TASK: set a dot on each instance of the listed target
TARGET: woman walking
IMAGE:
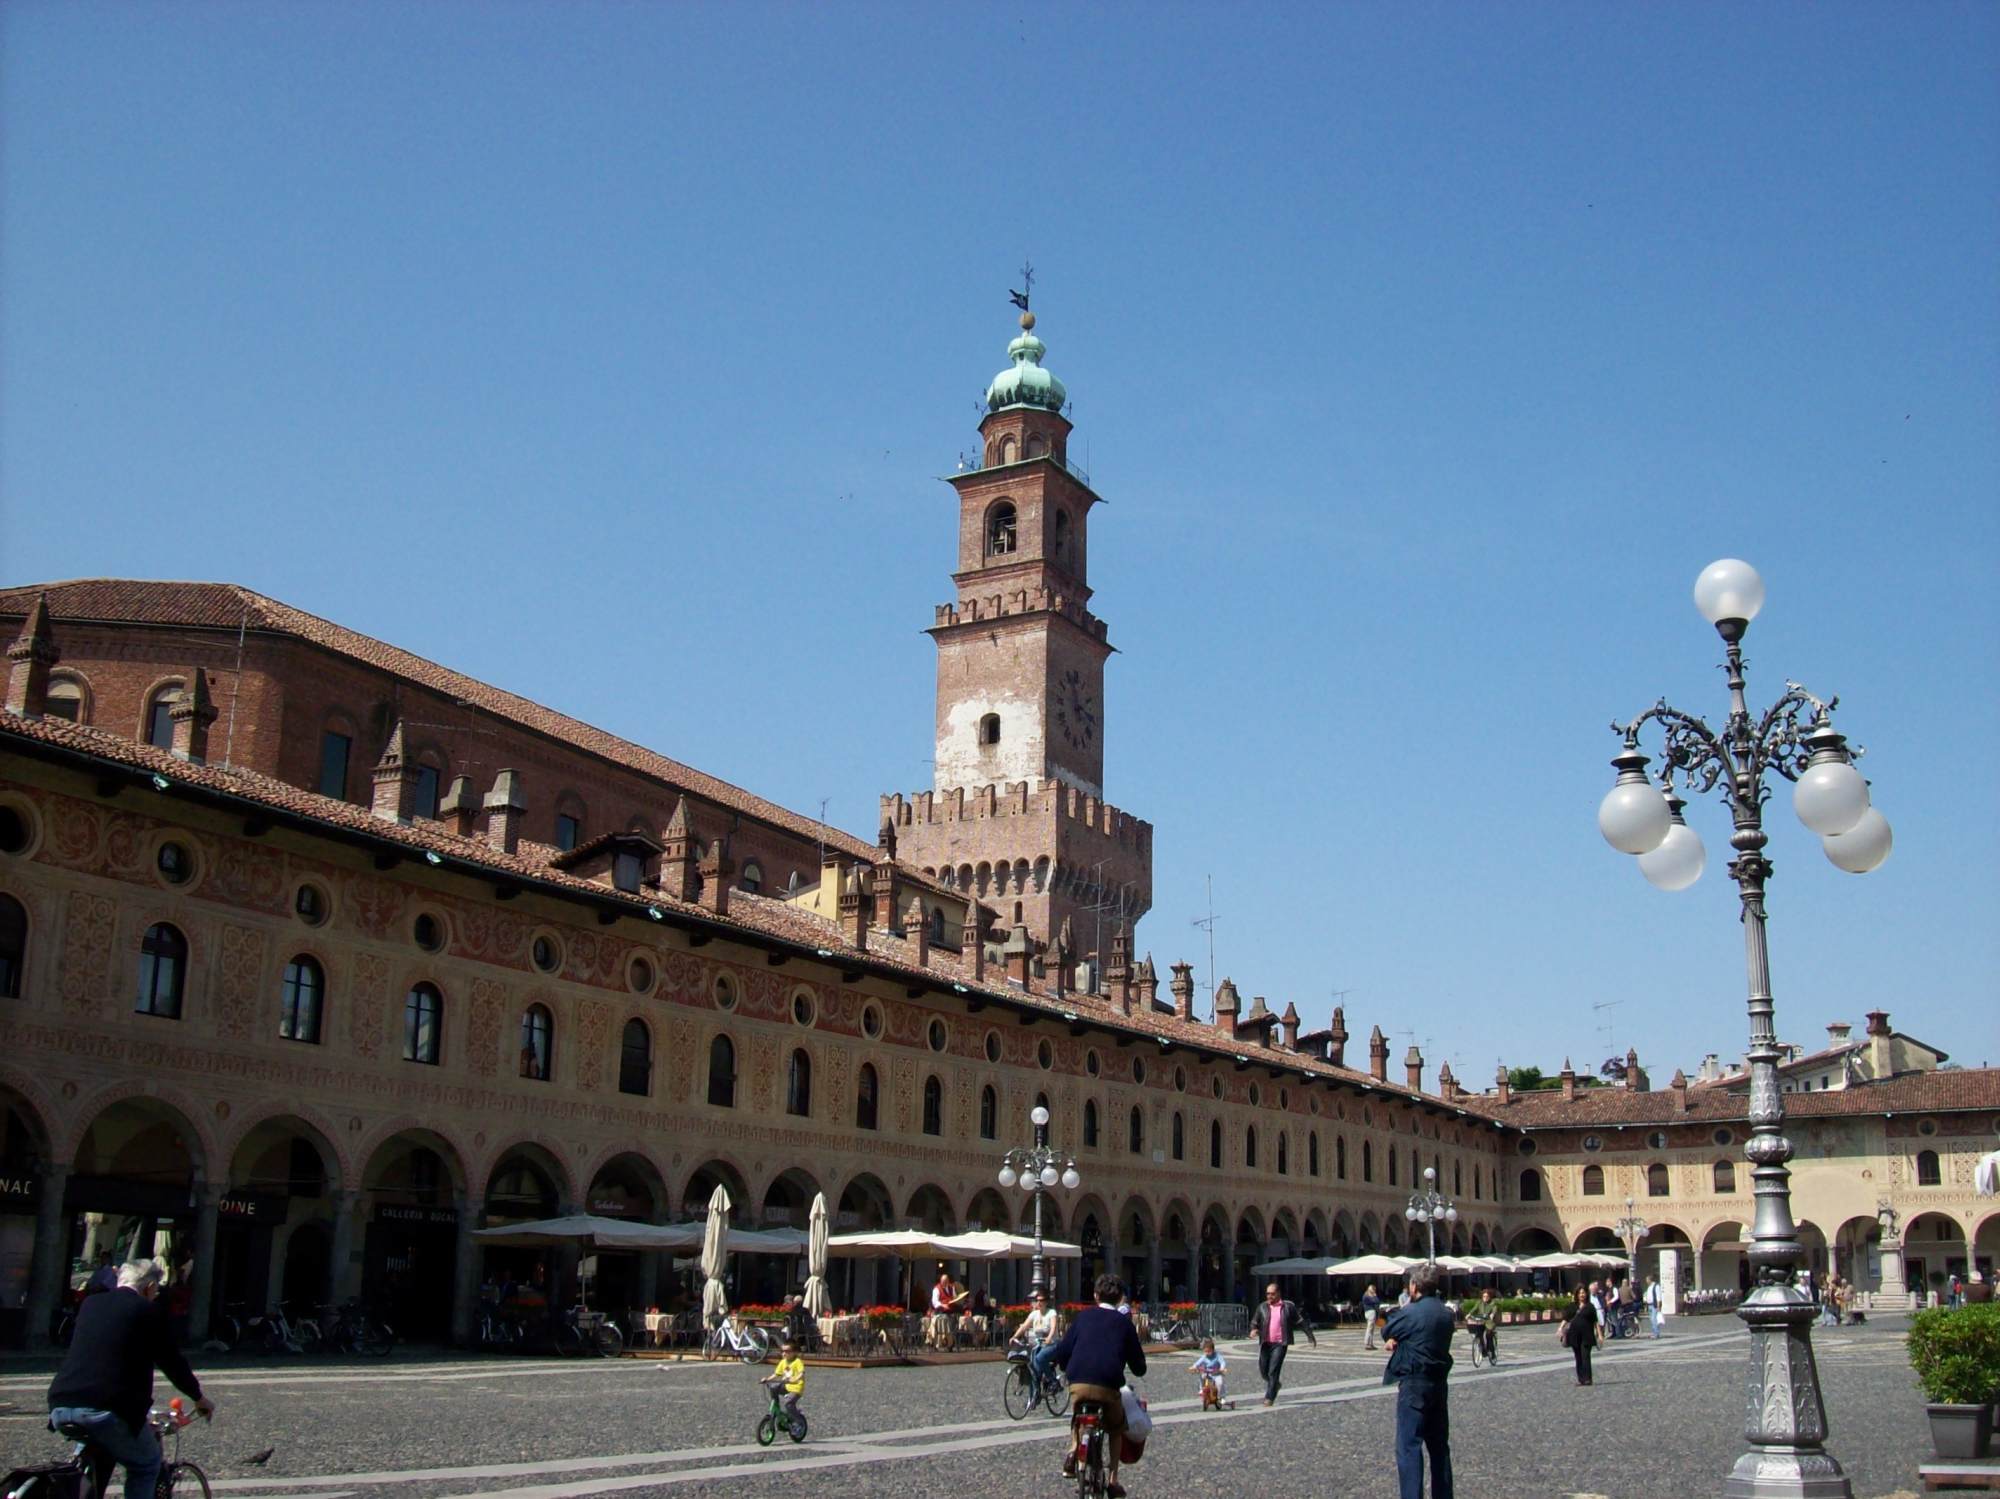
(1583, 1331)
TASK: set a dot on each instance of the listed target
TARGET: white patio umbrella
(715, 1300)
(819, 1301)
(1370, 1264)
(1297, 1265)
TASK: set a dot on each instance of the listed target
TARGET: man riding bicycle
(1099, 1347)
(1482, 1320)
(105, 1385)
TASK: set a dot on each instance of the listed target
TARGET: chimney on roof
(854, 904)
(974, 937)
(1288, 1026)
(678, 876)
(1632, 1079)
(1148, 984)
(1337, 1037)
(1413, 1068)
(505, 812)
(1378, 1055)
(29, 659)
(885, 893)
(1837, 1032)
(1569, 1082)
(1680, 1087)
(914, 923)
(1065, 956)
(1881, 1045)
(396, 781)
(1018, 953)
(1118, 971)
(718, 871)
(885, 840)
(460, 808)
(1227, 1002)
(1710, 1069)
(1502, 1088)
(1447, 1084)
(191, 715)
(1182, 988)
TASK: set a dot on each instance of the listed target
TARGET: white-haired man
(105, 1385)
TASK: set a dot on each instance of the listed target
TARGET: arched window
(1060, 546)
(1000, 530)
(1312, 1154)
(13, 946)
(933, 1106)
(1392, 1165)
(989, 729)
(159, 716)
(1340, 1156)
(936, 923)
(635, 1059)
(162, 971)
(1215, 1144)
(864, 1098)
(722, 1073)
(1135, 1132)
(1367, 1160)
(1725, 1176)
(569, 830)
(1250, 1147)
(305, 988)
(1927, 1169)
(1037, 446)
(423, 1020)
(989, 1113)
(1457, 1178)
(751, 881)
(538, 1043)
(68, 697)
(1180, 1137)
(1090, 1124)
(1656, 1180)
(1284, 1154)
(799, 1084)
(1531, 1185)
(1007, 449)
(1593, 1181)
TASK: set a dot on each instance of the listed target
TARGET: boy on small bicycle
(790, 1375)
(1212, 1368)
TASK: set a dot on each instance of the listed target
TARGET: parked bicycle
(501, 1328)
(1023, 1389)
(88, 1472)
(585, 1331)
(731, 1338)
(352, 1328)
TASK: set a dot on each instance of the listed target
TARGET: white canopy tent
(589, 1231)
(1294, 1266)
(1370, 1264)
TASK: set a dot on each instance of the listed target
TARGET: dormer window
(626, 867)
(989, 729)
(1000, 530)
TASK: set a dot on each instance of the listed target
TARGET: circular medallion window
(428, 931)
(1180, 1081)
(17, 829)
(309, 904)
(174, 862)
(803, 1010)
(1527, 1146)
(1090, 1062)
(992, 1046)
(724, 992)
(1138, 1069)
(1657, 1140)
(1724, 1136)
(1215, 1086)
(871, 1021)
(1045, 1054)
(937, 1034)
(1256, 1095)
(1284, 1098)
(639, 976)
(1927, 1127)
(545, 953)
(1593, 1143)
(1312, 1102)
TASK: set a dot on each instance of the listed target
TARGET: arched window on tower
(989, 729)
(1059, 544)
(1000, 530)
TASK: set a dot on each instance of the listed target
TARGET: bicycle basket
(44, 1481)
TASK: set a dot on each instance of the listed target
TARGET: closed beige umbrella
(819, 1301)
(714, 1240)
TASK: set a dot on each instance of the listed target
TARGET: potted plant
(1955, 1353)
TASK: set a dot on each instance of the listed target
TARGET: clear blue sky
(1424, 353)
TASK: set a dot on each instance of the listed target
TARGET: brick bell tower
(1017, 814)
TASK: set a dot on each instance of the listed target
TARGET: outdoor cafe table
(840, 1333)
(657, 1323)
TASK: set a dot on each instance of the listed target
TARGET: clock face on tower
(1076, 711)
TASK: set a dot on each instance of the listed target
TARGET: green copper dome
(1027, 383)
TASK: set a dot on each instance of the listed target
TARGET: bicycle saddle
(73, 1431)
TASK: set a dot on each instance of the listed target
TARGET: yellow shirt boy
(791, 1373)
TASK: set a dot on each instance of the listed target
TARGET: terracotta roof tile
(1912, 1092)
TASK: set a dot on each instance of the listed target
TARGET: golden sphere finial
(1027, 322)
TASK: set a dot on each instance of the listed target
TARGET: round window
(1724, 1136)
(639, 976)
(1180, 1079)
(1215, 1086)
(1657, 1140)
(175, 863)
(1090, 1062)
(1256, 1095)
(1138, 1069)
(725, 992)
(1593, 1143)
(1527, 1146)
(1045, 1054)
(871, 1021)
(1927, 1127)
(14, 830)
(544, 954)
(802, 1009)
(937, 1034)
(310, 903)
(992, 1046)
(428, 931)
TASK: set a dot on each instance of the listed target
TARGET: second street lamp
(1430, 1207)
(1631, 1229)
(1038, 1170)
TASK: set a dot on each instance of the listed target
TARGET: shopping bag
(1138, 1424)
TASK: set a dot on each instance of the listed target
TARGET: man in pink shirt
(1275, 1321)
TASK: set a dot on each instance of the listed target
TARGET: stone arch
(1392, 1234)
(1342, 1235)
(872, 1207)
(1533, 1240)
(989, 1210)
(930, 1209)
(546, 1155)
(33, 1147)
(435, 1138)
(204, 1150)
(542, 1161)
(1313, 1229)
(1285, 1228)
(716, 1170)
(1368, 1233)
(793, 1190)
(1596, 1238)
(314, 1127)
(610, 1181)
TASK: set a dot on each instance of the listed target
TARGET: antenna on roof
(1606, 1026)
(1207, 924)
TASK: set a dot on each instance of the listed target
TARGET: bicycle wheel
(1055, 1394)
(184, 1479)
(1017, 1391)
(377, 1337)
(767, 1431)
(797, 1428)
(756, 1346)
(610, 1341)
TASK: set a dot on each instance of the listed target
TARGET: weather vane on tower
(1020, 298)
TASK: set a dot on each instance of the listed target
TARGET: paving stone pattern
(1662, 1419)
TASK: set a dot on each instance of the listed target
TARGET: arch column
(51, 1256)
(337, 1277)
(1229, 1266)
(201, 1303)
(1153, 1268)
(465, 1272)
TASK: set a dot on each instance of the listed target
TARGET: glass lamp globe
(1038, 1115)
(1862, 847)
(1050, 1176)
(1070, 1179)
(1411, 1214)
(1679, 860)
(1830, 797)
(1430, 1175)
(1008, 1176)
(1451, 1215)
(1633, 818)
(1729, 589)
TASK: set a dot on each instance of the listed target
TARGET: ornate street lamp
(1430, 1207)
(1796, 738)
(1038, 1170)
(1631, 1229)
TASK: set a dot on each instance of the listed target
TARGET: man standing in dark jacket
(1275, 1322)
(1419, 1343)
(105, 1385)
(1099, 1347)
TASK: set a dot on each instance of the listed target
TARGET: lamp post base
(1784, 1418)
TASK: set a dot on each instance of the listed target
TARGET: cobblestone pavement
(1662, 1419)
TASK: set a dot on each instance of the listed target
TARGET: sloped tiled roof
(1912, 1092)
(229, 606)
